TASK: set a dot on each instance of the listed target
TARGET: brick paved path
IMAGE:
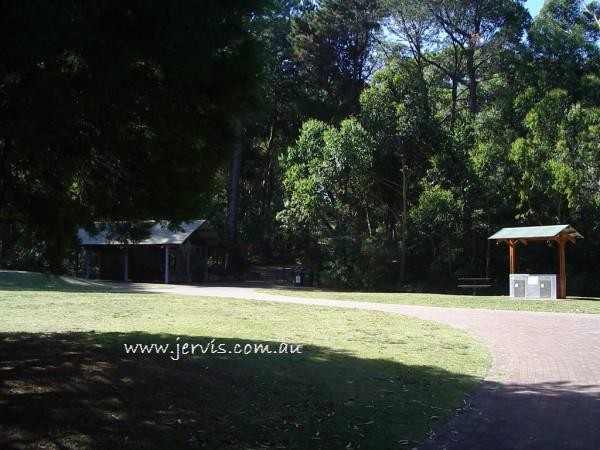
(542, 392)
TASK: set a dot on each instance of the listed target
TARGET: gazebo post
(188, 251)
(87, 263)
(561, 234)
(166, 264)
(512, 256)
(562, 272)
(126, 263)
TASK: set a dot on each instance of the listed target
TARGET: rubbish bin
(298, 278)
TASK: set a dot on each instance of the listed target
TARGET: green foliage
(557, 159)
(332, 43)
(326, 178)
(396, 110)
(436, 213)
(118, 110)
(478, 118)
(327, 174)
(565, 43)
(489, 155)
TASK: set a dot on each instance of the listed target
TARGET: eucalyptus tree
(436, 219)
(397, 112)
(273, 127)
(593, 10)
(418, 32)
(333, 42)
(327, 176)
(480, 29)
(556, 164)
(565, 42)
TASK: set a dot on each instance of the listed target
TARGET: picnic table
(474, 283)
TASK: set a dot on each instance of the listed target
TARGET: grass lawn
(363, 379)
(570, 305)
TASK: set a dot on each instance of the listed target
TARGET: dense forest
(379, 142)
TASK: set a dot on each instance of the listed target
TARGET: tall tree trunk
(390, 220)
(232, 262)
(454, 102)
(472, 76)
(467, 226)
(404, 220)
(488, 243)
(267, 201)
(4, 180)
(55, 250)
(368, 221)
(4, 172)
(449, 248)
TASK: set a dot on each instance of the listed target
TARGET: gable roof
(160, 232)
(542, 232)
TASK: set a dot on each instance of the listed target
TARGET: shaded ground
(79, 390)
(503, 416)
(543, 391)
(364, 380)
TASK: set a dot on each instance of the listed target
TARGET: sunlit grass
(570, 305)
(364, 379)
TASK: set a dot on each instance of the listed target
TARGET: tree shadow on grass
(81, 390)
(22, 281)
(14, 280)
(587, 299)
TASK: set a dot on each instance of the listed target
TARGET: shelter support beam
(87, 264)
(125, 264)
(188, 271)
(561, 234)
(562, 272)
(166, 264)
(205, 276)
(512, 256)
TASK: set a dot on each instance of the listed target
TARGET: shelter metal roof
(160, 232)
(541, 232)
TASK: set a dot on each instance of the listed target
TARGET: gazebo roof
(537, 233)
(160, 232)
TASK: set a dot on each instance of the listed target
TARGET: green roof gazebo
(561, 234)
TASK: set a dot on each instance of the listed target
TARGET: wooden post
(562, 273)
(205, 276)
(166, 264)
(512, 256)
(87, 263)
(188, 251)
(77, 262)
(126, 264)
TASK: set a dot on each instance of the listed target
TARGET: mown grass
(34, 281)
(588, 305)
(363, 380)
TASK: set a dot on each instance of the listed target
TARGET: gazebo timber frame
(560, 234)
(187, 241)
